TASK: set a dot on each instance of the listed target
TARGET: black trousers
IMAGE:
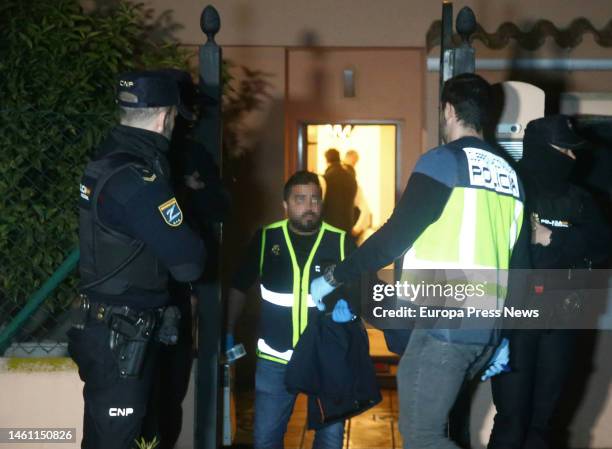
(164, 416)
(526, 398)
(114, 406)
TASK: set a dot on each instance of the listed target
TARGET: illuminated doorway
(375, 143)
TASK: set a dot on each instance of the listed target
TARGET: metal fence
(41, 162)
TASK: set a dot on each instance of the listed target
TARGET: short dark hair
(300, 178)
(332, 155)
(471, 96)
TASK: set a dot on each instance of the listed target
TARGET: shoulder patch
(85, 191)
(171, 212)
(144, 173)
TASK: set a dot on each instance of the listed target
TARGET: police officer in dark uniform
(569, 236)
(132, 237)
(198, 186)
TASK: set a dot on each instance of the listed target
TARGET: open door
(376, 146)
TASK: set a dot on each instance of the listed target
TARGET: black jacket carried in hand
(331, 364)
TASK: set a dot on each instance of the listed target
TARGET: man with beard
(132, 237)
(569, 235)
(285, 256)
(443, 222)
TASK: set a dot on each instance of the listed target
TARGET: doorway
(376, 145)
(316, 94)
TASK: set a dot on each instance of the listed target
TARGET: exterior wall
(41, 395)
(268, 134)
(382, 94)
(395, 93)
(360, 23)
(261, 136)
(553, 82)
(395, 23)
(587, 103)
(51, 397)
(47, 393)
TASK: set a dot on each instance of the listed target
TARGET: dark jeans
(431, 375)
(273, 408)
(526, 398)
(114, 406)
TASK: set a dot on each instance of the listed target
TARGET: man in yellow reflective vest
(285, 256)
(461, 210)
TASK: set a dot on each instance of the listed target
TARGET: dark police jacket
(563, 281)
(332, 364)
(580, 236)
(287, 306)
(132, 233)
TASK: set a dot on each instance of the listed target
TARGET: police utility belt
(131, 331)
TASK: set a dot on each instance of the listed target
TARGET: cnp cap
(150, 89)
(187, 89)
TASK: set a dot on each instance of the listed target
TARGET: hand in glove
(342, 313)
(319, 288)
(499, 362)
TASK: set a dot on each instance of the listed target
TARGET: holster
(131, 330)
(130, 334)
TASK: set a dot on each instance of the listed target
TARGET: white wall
(42, 397)
(39, 393)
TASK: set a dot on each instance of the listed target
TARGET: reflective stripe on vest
(477, 229)
(483, 237)
(300, 299)
(281, 299)
(263, 350)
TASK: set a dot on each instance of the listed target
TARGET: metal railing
(39, 189)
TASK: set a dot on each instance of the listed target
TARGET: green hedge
(57, 74)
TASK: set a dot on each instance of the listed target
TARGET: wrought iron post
(455, 60)
(210, 312)
(446, 40)
(446, 35)
(464, 60)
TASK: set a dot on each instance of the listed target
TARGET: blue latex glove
(499, 362)
(229, 342)
(342, 313)
(319, 288)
